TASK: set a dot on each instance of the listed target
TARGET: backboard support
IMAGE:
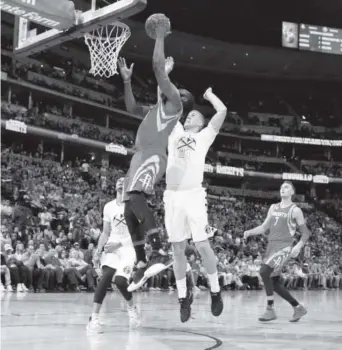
(29, 42)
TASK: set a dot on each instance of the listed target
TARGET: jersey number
(276, 221)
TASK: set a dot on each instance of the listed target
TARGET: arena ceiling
(252, 22)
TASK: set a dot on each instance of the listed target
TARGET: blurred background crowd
(56, 174)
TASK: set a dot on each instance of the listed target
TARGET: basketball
(155, 20)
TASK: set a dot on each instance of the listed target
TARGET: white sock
(94, 317)
(214, 282)
(181, 287)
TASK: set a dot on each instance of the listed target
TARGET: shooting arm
(221, 111)
(302, 228)
(163, 80)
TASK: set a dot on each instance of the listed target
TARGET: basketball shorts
(186, 215)
(122, 261)
(276, 257)
(147, 167)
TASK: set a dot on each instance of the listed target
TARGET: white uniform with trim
(123, 258)
(185, 200)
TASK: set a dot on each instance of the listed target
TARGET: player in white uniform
(117, 260)
(185, 199)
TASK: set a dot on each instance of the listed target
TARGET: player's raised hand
(163, 27)
(111, 247)
(207, 93)
(169, 64)
(126, 73)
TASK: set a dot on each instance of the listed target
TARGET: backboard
(61, 19)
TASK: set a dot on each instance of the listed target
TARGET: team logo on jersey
(163, 120)
(146, 174)
(185, 146)
(119, 220)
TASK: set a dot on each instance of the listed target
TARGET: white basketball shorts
(186, 215)
(122, 261)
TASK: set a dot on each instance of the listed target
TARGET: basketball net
(104, 45)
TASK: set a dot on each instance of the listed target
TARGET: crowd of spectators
(51, 220)
(53, 118)
(78, 83)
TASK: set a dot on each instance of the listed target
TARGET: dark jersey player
(148, 165)
(282, 222)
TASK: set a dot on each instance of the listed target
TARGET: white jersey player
(185, 199)
(117, 260)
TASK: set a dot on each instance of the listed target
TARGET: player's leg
(138, 211)
(178, 235)
(184, 280)
(198, 221)
(94, 325)
(121, 281)
(133, 224)
(298, 310)
(274, 262)
(138, 239)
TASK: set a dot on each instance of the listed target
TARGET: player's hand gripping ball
(157, 25)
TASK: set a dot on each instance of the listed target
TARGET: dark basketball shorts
(277, 256)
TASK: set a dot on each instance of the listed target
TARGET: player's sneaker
(159, 262)
(9, 289)
(134, 316)
(24, 288)
(269, 314)
(139, 278)
(94, 326)
(299, 312)
(185, 305)
(216, 303)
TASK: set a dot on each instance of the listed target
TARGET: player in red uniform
(283, 219)
(148, 164)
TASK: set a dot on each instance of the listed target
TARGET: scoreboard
(321, 39)
(312, 38)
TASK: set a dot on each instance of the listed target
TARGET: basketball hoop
(104, 45)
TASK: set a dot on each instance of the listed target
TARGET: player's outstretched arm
(131, 105)
(163, 80)
(262, 229)
(221, 110)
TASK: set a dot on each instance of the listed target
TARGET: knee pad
(265, 270)
(122, 284)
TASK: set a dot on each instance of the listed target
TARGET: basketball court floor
(58, 321)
